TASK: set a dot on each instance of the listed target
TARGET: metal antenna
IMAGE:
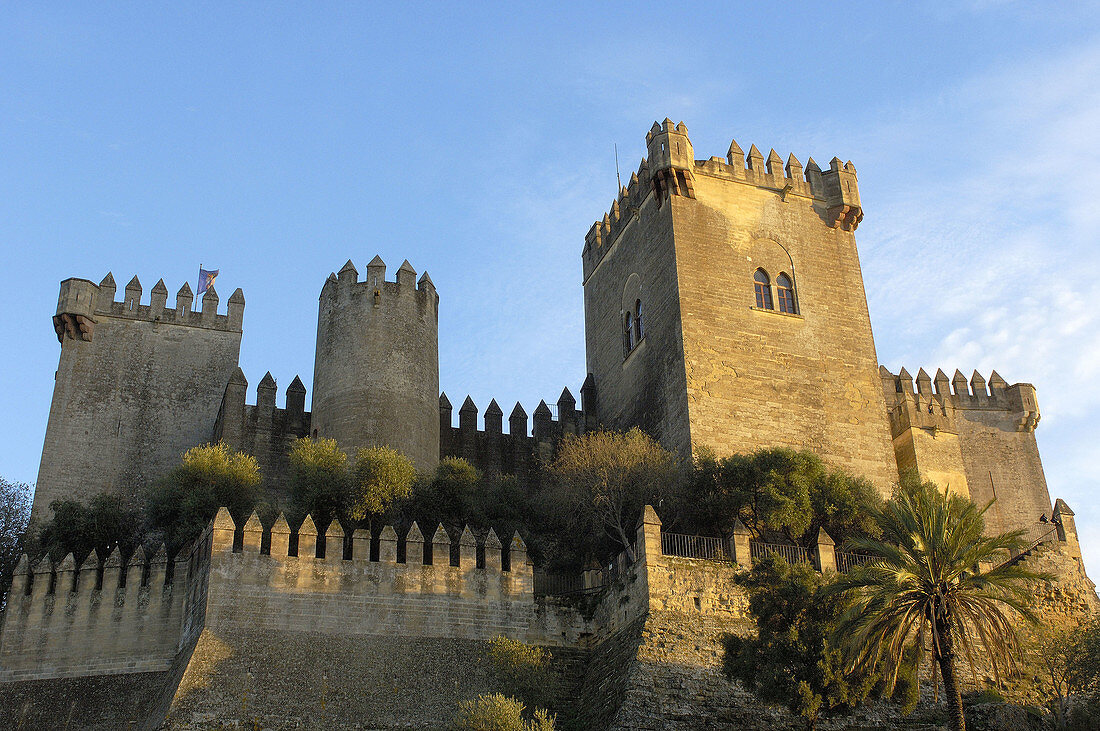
(617, 178)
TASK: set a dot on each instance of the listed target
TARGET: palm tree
(925, 585)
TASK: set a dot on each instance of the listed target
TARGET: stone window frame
(762, 287)
(785, 295)
(632, 324)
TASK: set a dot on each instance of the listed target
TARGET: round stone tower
(376, 377)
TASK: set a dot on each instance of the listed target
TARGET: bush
(794, 660)
(603, 480)
(210, 477)
(319, 482)
(107, 521)
(523, 671)
(381, 477)
(776, 489)
(495, 712)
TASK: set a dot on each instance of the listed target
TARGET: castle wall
(522, 450)
(647, 387)
(974, 438)
(376, 377)
(264, 431)
(136, 386)
(100, 619)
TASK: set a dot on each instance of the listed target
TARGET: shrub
(381, 477)
(319, 481)
(104, 522)
(209, 477)
(523, 671)
(495, 712)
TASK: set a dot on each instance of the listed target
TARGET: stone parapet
(104, 617)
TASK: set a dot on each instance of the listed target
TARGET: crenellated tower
(376, 378)
(136, 385)
(975, 438)
(725, 307)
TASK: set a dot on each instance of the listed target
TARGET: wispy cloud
(987, 257)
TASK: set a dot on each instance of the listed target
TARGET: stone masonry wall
(762, 378)
(264, 431)
(135, 390)
(645, 388)
(100, 619)
(976, 438)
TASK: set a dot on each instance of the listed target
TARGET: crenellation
(72, 624)
(82, 304)
(693, 370)
(307, 539)
(516, 452)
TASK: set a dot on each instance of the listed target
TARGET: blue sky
(275, 141)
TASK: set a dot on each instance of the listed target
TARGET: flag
(206, 280)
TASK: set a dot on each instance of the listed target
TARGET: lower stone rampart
(241, 636)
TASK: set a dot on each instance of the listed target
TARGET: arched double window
(784, 287)
(632, 327)
(763, 285)
(784, 290)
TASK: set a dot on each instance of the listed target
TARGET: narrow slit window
(638, 331)
(785, 289)
(762, 283)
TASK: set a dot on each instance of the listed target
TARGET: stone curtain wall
(62, 622)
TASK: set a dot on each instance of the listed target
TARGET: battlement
(492, 450)
(404, 284)
(670, 169)
(933, 403)
(82, 303)
(104, 616)
(385, 563)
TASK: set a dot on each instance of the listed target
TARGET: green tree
(775, 489)
(495, 712)
(1081, 659)
(524, 671)
(447, 497)
(794, 660)
(925, 584)
(320, 482)
(103, 523)
(381, 477)
(209, 476)
(15, 511)
(605, 478)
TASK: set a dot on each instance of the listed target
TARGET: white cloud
(987, 257)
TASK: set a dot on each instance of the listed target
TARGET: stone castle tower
(724, 307)
(376, 374)
(136, 385)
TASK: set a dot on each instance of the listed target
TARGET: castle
(724, 308)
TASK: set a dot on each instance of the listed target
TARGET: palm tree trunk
(947, 669)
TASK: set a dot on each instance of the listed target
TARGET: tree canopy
(794, 660)
(775, 489)
(209, 476)
(605, 478)
(105, 522)
(15, 511)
